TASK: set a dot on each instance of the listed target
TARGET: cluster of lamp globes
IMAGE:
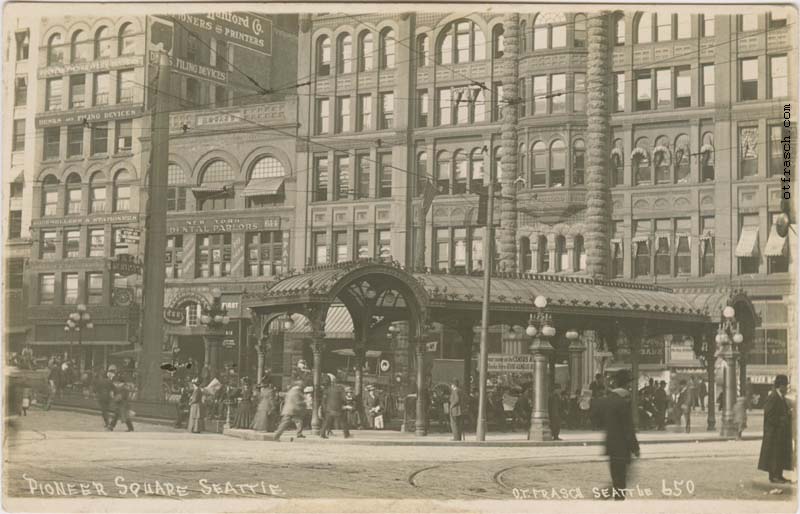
(79, 319)
(219, 318)
(722, 335)
(540, 302)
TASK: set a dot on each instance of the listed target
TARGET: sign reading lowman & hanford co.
(216, 225)
(508, 363)
(242, 28)
(113, 112)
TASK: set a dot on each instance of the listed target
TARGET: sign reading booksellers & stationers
(243, 28)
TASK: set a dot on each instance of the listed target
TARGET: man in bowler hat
(616, 417)
(776, 445)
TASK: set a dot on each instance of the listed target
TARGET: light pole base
(540, 431)
(729, 430)
(419, 430)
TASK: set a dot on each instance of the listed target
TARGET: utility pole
(488, 262)
(155, 237)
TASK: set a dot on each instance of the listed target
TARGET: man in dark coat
(554, 409)
(104, 391)
(615, 415)
(660, 402)
(455, 411)
(334, 410)
(776, 445)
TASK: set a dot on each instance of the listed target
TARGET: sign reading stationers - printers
(242, 28)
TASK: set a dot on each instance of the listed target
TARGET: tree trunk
(508, 173)
(598, 197)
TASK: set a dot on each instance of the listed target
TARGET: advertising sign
(508, 363)
(126, 265)
(95, 114)
(245, 29)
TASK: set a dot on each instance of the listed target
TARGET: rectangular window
(579, 96)
(342, 114)
(192, 48)
(341, 183)
(708, 88)
(497, 101)
(320, 242)
(173, 258)
(461, 101)
(708, 25)
(385, 245)
(320, 179)
(422, 108)
(748, 79)
(385, 167)
(20, 91)
(74, 199)
(707, 245)
(460, 249)
(683, 253)
(48, 242)
(363, 178)
(102, 87)
(644, 91)
(778, 76)
(476, 249)
(97, 242)
(776, 249)
(94, 288)
(364, 112)
(70, 288)
(124, 136)
(50, 207)
(77, 91)
(442, 249)
(342, 250)
(683, 87)
(362, 244)
(23, 44)
(386, 114)
(323, 115)
(53, 94)
(617, 258)
(540, 94)
(125, 86)
(98, 199)
(523, 102)
(120, 246)
(14, 224)
(558, 93)
(264, 254)
(18, 144)
(100, 138)
(748, 152)
(641, 244)
(214, 255)
(663, 26)
(748, 22)
(52, 143)
(444, 98)
(775, 150)
(47, 289)
(192, 97)
(15, 273)
(220, 96)
(72, 243)
(664, 88)
(747, 249)
(74, 140)
(663, 250)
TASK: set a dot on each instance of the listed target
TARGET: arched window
(640, 160)
(562, 257)
(579, 31)
(55, 50)
(80, 48)
(74, 194)
(538, 165)
(662, 160)
(476, 168)
(323, 56)
(102, 43)
(267, 167)
(97, 193)
(50, 187)
(422, 171)
(365, 51)
(707, 158)
(423, 50)
(549, 31)
(557, 163)
(526, 258)
(499, 41)
(523, 38)
(540, 35)
(460, 177)
(344, 54)
(216, 181)
(126, 40)
(543, 255)
(462, 41)
(122, 191)
(443, 164)
(682, 159)
(265, 186)
(617, 164)
(578, 162)
(619, 29)
(176, 190)
(387, 47)
(644, 28)
(579, 254)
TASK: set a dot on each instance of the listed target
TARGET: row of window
(77, 94)
(342, 249)
(98, 139)
(344, 121)
(82, 48)
(652, 27)
(365, 52)
(70, 239)
(73, 198)
(71, 293)
(358, 183)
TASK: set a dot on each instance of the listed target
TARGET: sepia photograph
(399, 257)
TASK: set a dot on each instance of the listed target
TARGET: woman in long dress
(262, 421)
(196, 423)
(244, 412)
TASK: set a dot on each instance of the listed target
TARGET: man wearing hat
(776, 445)
(373, 406)
(614, 413)
(294, 408)
(104, 391)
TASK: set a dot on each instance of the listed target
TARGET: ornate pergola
(374, 290)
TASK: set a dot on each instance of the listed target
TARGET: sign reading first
(243, 28)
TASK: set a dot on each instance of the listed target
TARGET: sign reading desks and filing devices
(510, 363)
(126, 264)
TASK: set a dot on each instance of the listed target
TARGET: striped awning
(776, 245)
(263, 187)
(748, 242)
(211, 190)
(338, 324)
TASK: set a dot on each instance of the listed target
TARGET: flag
(428, 193)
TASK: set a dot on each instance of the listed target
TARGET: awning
(347, 352)
(211, 190)
(338, 324)
(776, 245)
(66, 344)
(748, 242)
(19, 178)
(263, 187)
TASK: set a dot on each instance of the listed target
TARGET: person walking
(702, 392)
(685, 405)
(53, 383)
(264, 408)
(334, 411)
(554, 409)
(196, 422)
(104, 392)
(293, 412)
(373, 406)
(455, 410)
(614, 414)
(121, 408)
(776, 445)
(660, 402)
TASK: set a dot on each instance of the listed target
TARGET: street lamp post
(215, 319)
(541, 349)
(728, 339)
(78, 322)
(576, 349)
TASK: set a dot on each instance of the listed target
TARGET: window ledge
(124, 153)
(98, 156)
(74, 158)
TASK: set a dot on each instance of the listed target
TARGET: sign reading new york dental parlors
(243, 28)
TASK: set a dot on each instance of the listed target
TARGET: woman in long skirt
(196, 423)
(262, 421)
(244, 413)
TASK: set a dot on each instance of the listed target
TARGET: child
(740, 415)
(27, 393)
